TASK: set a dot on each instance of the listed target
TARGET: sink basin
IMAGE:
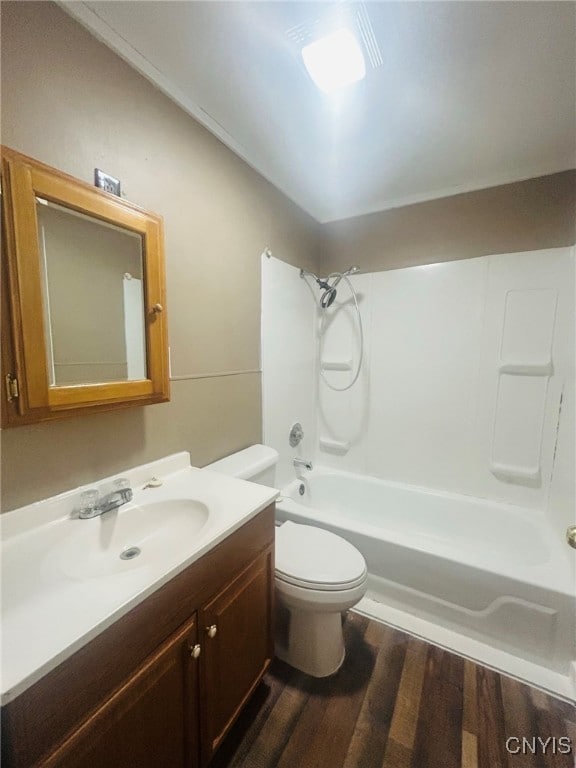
(132, 537)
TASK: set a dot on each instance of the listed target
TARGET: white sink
(133, 536)
(69, 578)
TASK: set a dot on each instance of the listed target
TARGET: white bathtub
(492, 573)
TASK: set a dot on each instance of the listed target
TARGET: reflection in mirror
(93, 298)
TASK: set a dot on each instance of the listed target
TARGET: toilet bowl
(318, 576)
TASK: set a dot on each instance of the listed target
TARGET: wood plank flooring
(397, 702)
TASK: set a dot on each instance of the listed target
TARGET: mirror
(92, 272)
(85, 322)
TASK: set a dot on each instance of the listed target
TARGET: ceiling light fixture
(334, 61)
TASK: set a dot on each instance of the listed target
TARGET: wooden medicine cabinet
(83, 297)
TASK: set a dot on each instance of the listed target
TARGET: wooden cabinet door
(150, 722)
(235, 628)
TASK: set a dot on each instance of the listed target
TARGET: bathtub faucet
(302, 463)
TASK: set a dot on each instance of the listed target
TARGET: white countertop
(53, 602)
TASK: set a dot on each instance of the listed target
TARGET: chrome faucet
(302, 463)
(93, 505)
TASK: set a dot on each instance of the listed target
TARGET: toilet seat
(321, 585)
(315, 559)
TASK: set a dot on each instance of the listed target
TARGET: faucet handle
(122, 486)
(88, 502)
(296, 434)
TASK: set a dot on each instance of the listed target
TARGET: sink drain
(130, 553)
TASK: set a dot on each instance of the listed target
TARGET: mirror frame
(24, 356)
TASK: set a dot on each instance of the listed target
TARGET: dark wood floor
(397, 702)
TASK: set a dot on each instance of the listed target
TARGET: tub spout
(302, 463)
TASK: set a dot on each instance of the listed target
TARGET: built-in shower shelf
(336, 365)
(339, 447)
(515, 474)
(527, 369)
(524, 372)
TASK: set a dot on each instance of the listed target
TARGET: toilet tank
(256, 463)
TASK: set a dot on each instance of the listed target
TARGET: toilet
(318, 576)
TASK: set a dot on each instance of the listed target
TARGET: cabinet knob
(212, 630)
(195, 650)
(156, 309)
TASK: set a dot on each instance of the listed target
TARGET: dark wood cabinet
(237, 648)
(150, 722)
(161, 687)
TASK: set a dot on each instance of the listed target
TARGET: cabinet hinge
(12, 392)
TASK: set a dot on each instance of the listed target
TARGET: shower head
(329, 294)
(327, 298)
(329, 289)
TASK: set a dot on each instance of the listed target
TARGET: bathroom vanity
(162, 684)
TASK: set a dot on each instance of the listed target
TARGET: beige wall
(526, 216)
(207, 416)
(70, 102)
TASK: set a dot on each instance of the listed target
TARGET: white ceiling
(468, 95)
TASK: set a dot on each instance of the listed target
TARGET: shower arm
(322, 283)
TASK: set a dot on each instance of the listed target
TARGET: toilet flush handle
(212, 630)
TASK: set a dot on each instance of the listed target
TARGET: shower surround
(466, 392)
